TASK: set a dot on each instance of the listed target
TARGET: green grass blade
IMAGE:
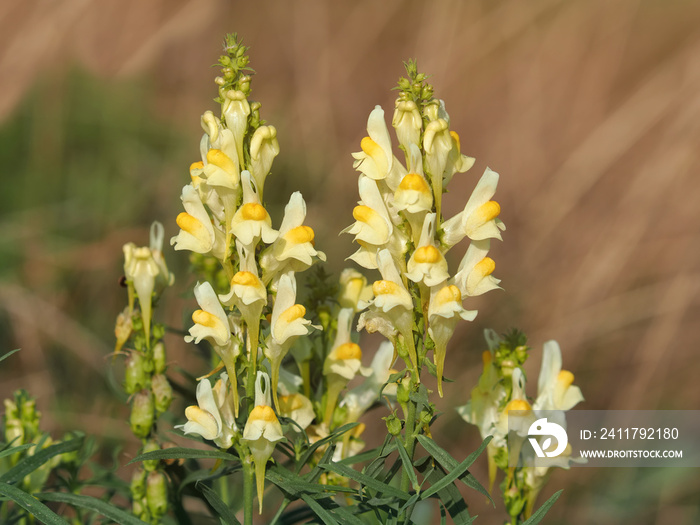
(18, 448)
(540, 513)
(33, 506)
(367, 481)
(225, 513)
(184, 453)
(8, 354)
(104, 508)
(33, 462)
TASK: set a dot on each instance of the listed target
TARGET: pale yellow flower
(427, 264)
(213, 416)
(251, 221)
(197, 233)
(287, 324)
(444, 311)
(555, 389)
(264, 147)
(236, 110)
(479, 218)
(353, 289)
(473, 276)
(294, 248)
(262, 432)
(210, 320)
(376, 158)
(407, 122)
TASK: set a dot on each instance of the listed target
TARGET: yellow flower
(444, 311)
(236, 110)
(407, 122)
(294, 248)
(555, 390)
(197, 233)
(252, 222)
(353, 289)
(213, 416)
(210, 320)
(473, 276)
(427, 264)
(376, 158)
(479, 218)
(264, 147)
(287, 324)
(262, 432)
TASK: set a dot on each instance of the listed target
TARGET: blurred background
(589, 110)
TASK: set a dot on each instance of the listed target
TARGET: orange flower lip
(253, 211)
(427, 254)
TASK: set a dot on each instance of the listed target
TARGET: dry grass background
(590, 111)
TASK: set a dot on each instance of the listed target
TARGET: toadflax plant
(288, 379)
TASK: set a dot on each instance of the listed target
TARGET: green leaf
(330, 512)
(31, 505)
(18, 448)
(225, 513)
(407, 465)
(322, 513)
(450, 497)
(455, 472)
(97, 505)
(450, 464)
(8, 354)
(335, 434)
(540, 513)
(184, 453)
(369, 454)
(295, 486)
(367, 481)
(33, 462)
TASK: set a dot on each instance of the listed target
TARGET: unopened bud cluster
(145, 381)
(21, 427)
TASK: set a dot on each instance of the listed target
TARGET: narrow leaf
(31, 463)
(225, 513)
(407, 465)
(540, 513)
(367, 481)
(449, 496)
(97, 505)
(18, 448)
(322, 513)
(335, 434)
(33, 506)
(450, 464)
(184, 453)
(8, 354)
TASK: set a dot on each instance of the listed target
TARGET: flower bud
(393, 425)
(157, 494)
(162, 392)
(142, 414)
(135, 376)
(150, 464)
(159, 358)
(138, 484)
(122, 329)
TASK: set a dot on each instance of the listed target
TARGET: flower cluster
(401, 231)
(146, 276)
(251, 317)
(499, 404)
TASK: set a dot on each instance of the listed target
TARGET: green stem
(248, 488)
(252, 371)
(410, 446)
